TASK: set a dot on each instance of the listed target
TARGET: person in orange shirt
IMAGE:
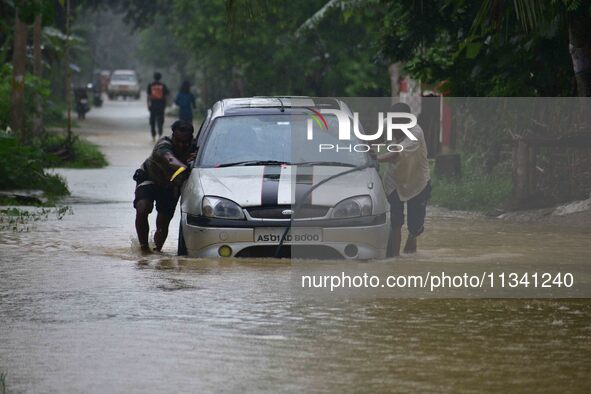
(157, 94)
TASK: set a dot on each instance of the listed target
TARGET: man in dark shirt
(155, 183)
(157, 93)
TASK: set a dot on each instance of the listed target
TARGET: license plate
(294, 236)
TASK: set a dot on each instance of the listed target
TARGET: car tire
(182, 247)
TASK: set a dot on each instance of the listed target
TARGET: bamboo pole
(68, 78)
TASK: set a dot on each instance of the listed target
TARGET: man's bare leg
(162, 222)
(395, 240)
(411, 244)
(142, 227)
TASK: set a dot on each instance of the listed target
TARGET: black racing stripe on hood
(270, 189)
(304, 181)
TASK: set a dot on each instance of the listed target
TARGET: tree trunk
(394, 72)
(19, 66)
(38, 72)
(579, 33)
(68, 79)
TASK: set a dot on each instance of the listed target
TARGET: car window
(280, 138)
(124, 78)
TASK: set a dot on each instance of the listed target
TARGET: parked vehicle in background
(123, 83)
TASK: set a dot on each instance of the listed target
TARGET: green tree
(545, 18)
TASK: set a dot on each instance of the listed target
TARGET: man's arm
(173, 161)
(408, 146)
(148, 95)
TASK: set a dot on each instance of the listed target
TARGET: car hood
(279, 185)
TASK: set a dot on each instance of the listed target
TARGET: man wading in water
(407, 181)
(156, 182)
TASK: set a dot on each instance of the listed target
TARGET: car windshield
(276, 139)
(123, 78)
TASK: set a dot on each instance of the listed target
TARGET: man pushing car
(407, 182)
(159, 179)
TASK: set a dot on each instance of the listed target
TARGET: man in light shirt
(407, 181)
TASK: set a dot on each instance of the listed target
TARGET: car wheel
(182, 248)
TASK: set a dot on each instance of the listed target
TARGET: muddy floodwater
(81, 310)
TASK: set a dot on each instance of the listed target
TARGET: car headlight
(353, 207)
(216, 207)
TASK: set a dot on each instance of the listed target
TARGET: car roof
(270, 104)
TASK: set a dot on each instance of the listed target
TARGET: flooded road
(82, 311)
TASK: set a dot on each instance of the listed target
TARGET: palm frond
(495, 13)
(313, 21)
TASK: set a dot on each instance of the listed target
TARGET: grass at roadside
(475, 191)
(23, 167)
(82, 154)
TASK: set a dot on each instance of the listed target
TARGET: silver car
(123, 83)
(258, 187)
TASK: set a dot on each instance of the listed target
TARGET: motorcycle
(82, 105)
(97, 99)
(97, 95)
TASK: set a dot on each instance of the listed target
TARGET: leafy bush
(22, 167)
(53, 111)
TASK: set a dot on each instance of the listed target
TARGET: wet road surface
(81, 310)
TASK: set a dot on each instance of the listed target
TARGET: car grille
(317, 252)
(276, 212)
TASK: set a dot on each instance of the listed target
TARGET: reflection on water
(81, 310)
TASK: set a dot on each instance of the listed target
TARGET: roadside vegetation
(475, 190)
(24, 163)
(82, 154)
(24, 167)
(2, 383)
(23, 220)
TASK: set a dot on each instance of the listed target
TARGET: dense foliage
(453, 43)
(265, 53)
(22, 167)
(344, 47)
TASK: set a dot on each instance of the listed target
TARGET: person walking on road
(157, 94)
(158, 180)
(407, 182)
(186, 102)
